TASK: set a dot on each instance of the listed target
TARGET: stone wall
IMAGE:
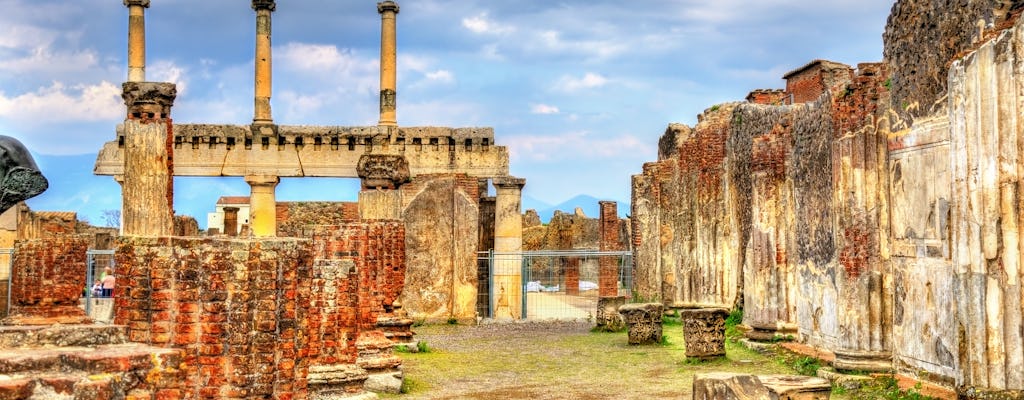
(442, 218)
(891, 242)
(688, 219)
(922, 37)
(264, 318)
(294, 217)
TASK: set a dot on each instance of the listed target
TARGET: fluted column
(508, 247)
(388, 64)
(263, 204)
(261, 114)
(136, 39)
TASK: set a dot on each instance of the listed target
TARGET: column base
(869, 361)
(766, 333)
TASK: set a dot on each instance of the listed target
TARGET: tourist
(107, 282)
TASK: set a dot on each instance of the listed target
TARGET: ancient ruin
(868, 212)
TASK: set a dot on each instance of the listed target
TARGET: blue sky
(579, 91)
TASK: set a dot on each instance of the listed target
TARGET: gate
(556, 284)
(98, 308)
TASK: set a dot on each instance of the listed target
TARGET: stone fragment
(644, 320)
(728, 386)
(704, 332)
(608, 317)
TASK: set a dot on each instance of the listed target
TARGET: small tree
(112, 218)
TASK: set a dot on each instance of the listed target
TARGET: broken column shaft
(148, 188)
(261, 112)
(388, 63)
(136, 39)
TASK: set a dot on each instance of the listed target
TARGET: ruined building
(871, 212)
(310, 308)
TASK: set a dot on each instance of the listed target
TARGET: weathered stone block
(704, 332)
(608, 317)
(644, 320)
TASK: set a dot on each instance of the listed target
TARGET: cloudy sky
(579, 91)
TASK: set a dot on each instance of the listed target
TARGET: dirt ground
(559, 360)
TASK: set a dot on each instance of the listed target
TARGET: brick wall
(253, 316)
(48, 277)
(608, 267)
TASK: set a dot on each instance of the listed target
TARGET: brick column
(261, 112)
(388, 65)
(263, 204)
(136, 39)
(148, 188)
(508, 246)
(608, 266)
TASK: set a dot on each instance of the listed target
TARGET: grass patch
(732, 322)
(884, 387)
(806, 365)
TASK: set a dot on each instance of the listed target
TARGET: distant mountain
(589, 205)
(530, 203)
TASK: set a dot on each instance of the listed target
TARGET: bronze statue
(20, 178)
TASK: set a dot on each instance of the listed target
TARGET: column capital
(141, 3)
(386, 6)
(509, 182)
(262, 180)
(145, 98)
(263, 5)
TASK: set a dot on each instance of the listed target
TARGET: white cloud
(482, 25)
(441, 75)
(58, 103)
(543, 109)
(166, 71)
(588, 81)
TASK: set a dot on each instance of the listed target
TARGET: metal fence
(560, 284)
(97, 306)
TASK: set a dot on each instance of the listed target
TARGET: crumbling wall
(264, 318)
(922, 37)
(47, 280)
(985, 90)
(294, 217)
(769, 284)
(688, 215)
(441, 215)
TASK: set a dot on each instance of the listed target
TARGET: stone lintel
(264, 5)
(148, 99)
(386, 6)
(140, 3)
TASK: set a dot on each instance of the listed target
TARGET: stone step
(77, 386)
(61, 335)
(116, 358)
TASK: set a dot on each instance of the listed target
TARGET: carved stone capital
(385, 6)
(383, 171)
(264, 5)
(148, 99)
(509, 182)
(143, 3)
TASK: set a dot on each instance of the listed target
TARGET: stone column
(136, 39)
(148, 188)
(508, 247)
(263, 204)
(261, 114)
(388, 65)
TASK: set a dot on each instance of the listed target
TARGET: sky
(580, 91)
